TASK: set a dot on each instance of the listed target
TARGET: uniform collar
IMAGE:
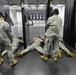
(55, 15)
(1, 20)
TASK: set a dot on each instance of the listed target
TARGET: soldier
(14, 45)
(38, 43)
(35, 45)
(62, 46)
(5, 39)
(52, 33)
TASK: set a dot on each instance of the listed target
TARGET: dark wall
(75, 21)
(48, 11)
(69, 23)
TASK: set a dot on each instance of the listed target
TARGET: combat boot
(4, 52)
(12, 64)
(59, 53)
(55, 59)
(44, 57)
(1, 61)
(19, 54)
(70, 54)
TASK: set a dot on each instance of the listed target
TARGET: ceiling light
(33, 8)
(59, 5)
(40, 8)
(41, 5)
(14, 6)
(26, 5)
(33, 5)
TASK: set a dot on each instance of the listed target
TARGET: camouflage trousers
(6, 45)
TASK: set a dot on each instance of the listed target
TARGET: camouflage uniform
(62, 46)
(6, 38)
(52, 33)
(35, 45)
(15, 44)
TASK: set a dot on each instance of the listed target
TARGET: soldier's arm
(49, 22)
(9, 33)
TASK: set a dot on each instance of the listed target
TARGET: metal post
(23, 23)
(48, 11)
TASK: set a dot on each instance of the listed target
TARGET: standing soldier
(52, 34)
(6, 39)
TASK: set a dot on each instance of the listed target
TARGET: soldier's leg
(62, 46)
(15, 44)
(13, 61)
(48, 42)
(29, 48)
(1, 49)
(1, 59)
(40, 49)
(56, 47)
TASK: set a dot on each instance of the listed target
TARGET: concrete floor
(31, 64)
